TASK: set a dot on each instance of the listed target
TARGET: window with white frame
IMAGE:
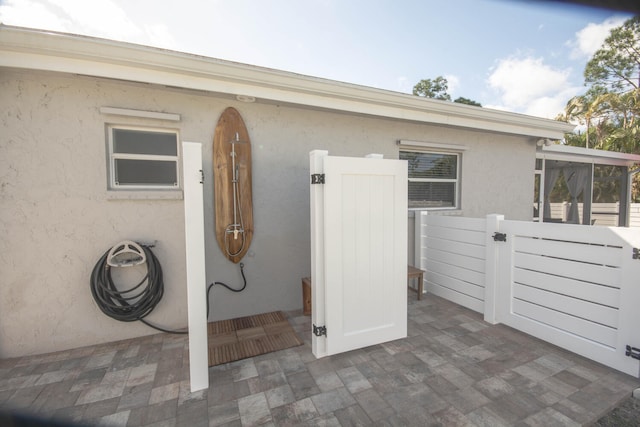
(434, 179)
(142, 158)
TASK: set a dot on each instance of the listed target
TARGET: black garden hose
(131, 304)
(227, 286)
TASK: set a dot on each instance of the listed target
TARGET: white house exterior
(61, 94)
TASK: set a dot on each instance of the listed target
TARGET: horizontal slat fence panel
(575, 307)
(461, 248)
(582, 252)
(565, 268)
(457, 285)
(456, 234)
(562, 323)
(453, 255)
(472, 277)
(575, 286)
(605, 295)
(456, 259)
(461, 299)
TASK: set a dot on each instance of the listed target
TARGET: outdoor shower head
(237, 140)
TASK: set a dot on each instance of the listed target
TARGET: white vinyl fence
(575, 286)
(601, 213)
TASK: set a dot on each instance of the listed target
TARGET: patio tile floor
(452, 370)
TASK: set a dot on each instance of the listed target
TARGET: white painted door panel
(365, 251)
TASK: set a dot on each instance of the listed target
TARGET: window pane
(538, 164)
(431, 165)
(432, 194)
(144, 142)
(607, 183)
(140, 172)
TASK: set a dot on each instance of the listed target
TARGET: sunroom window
(433, 179)
(143, 158)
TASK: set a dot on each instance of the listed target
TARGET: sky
(521, 56)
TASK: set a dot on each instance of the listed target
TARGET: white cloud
(453, 84)
(589, 39)
(403, 85)
(530, 86)
(160, 35)
(33, 14)
(99, 18)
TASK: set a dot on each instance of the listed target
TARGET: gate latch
(633, 352)
(500, 237)
(319, 331)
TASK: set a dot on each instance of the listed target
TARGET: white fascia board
(587, 155)
(39, 50)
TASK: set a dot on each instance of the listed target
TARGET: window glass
(433, 179)
(607, 183)
(143, 158)
(432, 194)
(431, 165)
(144, 142)
(145, 172)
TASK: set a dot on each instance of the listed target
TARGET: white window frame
(113, 185)
(456, 181)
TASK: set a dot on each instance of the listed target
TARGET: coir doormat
(236, 339)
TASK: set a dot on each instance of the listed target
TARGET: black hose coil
(131, 304)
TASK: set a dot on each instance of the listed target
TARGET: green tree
(462, 100)
(436, 88)
(587, 110)
(610, 108)
(616, 65)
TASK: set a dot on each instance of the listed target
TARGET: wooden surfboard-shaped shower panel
(232, 185)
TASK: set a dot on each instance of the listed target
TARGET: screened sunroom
(583, 186)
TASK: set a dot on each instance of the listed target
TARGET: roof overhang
(67, 53)
(586, 155)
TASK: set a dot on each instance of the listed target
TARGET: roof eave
(587, 155)
(51, 51)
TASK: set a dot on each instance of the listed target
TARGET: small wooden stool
(306, 296)
(416, 273)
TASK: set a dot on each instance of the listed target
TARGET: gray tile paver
(452, 370)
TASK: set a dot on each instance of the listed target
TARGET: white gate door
(364, 266)
(573, 286)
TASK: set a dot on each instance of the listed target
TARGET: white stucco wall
(56, 219)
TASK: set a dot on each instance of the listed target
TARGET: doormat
(236, 339)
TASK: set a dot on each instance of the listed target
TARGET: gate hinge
(499, 237)
(636, 253)
(633, 352)
(319, 331)
(201, 177)
(317, 178)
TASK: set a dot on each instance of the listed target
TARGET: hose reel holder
(137, 301)
(126, 254)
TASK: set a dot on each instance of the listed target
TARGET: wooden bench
(306, 296)
(416, 273)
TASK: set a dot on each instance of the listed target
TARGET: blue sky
(520, 56)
